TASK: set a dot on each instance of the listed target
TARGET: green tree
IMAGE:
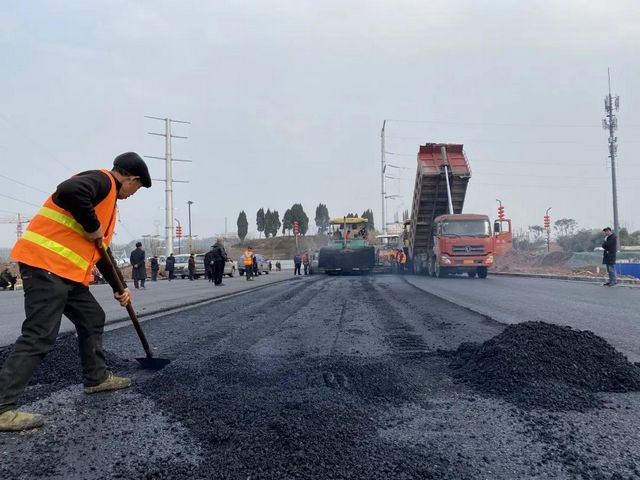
(298, 215)
(322, 218)
(243, 226)
(260, 221)
(268, 221)
(368, 214)
(275, 223)
(287, 222)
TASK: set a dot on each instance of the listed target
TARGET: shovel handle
(120, 289)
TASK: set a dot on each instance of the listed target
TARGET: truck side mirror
(496, 227)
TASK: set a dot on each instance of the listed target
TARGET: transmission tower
(168, 180)
(610, 123)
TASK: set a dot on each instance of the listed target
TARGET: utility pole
(169, 181)
(547, 226)
(383, 167)
(189, 203)
(611, 123)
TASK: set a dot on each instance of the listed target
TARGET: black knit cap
(134, 164)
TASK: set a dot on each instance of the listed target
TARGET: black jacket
(170, 263)
(208, 259)
(610, 246)
(154, 264)
(137, 258)
(219, 253)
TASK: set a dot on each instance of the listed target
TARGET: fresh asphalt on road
(612, 313)
(321, 377)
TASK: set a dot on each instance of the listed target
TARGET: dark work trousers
(218, 271)
(154, 275)
(248, 271)
(139, 274)
(46, 298)
(296, 270)
(171, 275)
(191, 273)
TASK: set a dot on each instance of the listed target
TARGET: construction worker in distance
(56, 255)
(248, 263)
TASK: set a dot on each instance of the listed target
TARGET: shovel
(149, 362)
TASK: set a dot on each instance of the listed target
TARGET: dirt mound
(540, 365)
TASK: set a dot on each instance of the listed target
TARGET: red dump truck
(439, 238)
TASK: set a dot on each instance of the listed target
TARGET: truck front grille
(468, 249)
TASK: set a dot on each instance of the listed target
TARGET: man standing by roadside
(154, 268)
(297, 262)
(139, 273)
(610, 246)
(191, 266)
(219, 259)
(56, 256)
(170, 265)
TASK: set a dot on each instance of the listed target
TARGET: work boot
(112, 382)
(15, 421)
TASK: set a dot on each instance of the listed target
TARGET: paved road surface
(323, 377)
(612, 313)
(157, 297)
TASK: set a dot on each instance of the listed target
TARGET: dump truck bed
(430, 198)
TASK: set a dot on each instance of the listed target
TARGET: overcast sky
(286, 100)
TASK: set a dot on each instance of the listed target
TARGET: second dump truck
(439, 238)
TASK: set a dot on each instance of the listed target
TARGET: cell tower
(610, 122)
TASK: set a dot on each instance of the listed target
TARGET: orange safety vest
(55, 242)
(248, 258)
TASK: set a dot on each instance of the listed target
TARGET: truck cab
(465, 243)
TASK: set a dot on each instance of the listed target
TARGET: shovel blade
(151, 363)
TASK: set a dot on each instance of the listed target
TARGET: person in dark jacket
(191, 266)
(610, 246)
(208, 264)
(139, 272)
(78, 215)
(170, 266)
(306, 263)
(219, 260)
(7, 280)
(155, 266)
(297, 262)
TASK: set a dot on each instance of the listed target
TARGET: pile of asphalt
(540, 365)
(61, 367)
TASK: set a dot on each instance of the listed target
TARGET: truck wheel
(482, 272)
(472, 274)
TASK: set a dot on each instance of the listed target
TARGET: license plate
(466, 262)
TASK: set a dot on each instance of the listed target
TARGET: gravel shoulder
(330, 377)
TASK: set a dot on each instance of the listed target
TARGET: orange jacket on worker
(248, 257)
(55, 242)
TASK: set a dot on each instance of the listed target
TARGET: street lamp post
(179, 230)
(547, 226)
(189, 203)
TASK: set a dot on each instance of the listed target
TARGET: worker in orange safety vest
(56, 257)
(248, 263)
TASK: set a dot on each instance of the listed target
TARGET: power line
(18, 200)
(497, 124)
(24, 184)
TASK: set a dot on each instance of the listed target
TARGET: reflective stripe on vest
(56, 242)
(56, 247)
